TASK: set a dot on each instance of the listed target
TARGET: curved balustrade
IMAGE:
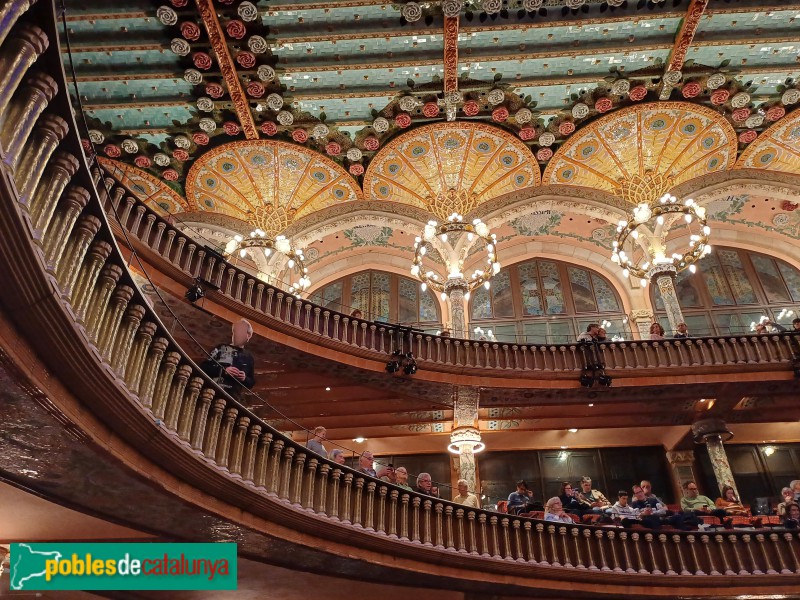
(85, 315)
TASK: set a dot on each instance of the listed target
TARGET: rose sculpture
(246, 60)
(566, 127)
(748, 136)
(142, 162)
(357, 169)
(205, 104)
(179, 3)
(775, 112)
(215, 90)
(112, 151)
(300, 136)
(715, 81)
(180, 154)
(257, 44)
(402, 120)
(580, 110)
(603, 105)
(411, 12)
(236, 29)
(201, 60)
(247, 11)
(471, 108)
(161, 159)
(638, 93)
(193, 76)
(527, 133)
(544, 154)
(371, 143)
(167, 16)
(791, 96)
(170, 175)
(231, 128)
(430, 110)
(269, 128)
(333, 149)
(200, 138)
(190, 31)
(380, 124)
(720, 96)
(691, 89)
(741, 114)
(500, 114)
(740, 100)
(354, 154)
(546, 139)
(87, 145)
(255, 89)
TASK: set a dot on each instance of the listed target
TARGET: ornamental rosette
(580, 111)
(180, 154)
(573, 4)
(275, 101)
(112, 151)
(190, 31)
(740, 100)
(170, 175)
(715, 81)
(523, 115)
(257, 44)
(380, 124)
(691, 89)
(265, 73)
(285, 118)
(96, 137)
(166, 15)
(193, 76)
(130, 146)
(544, 154)
(615, 3)
(179, 3)
(547, 139)
(740, 114)
(402, 120)
(142, 162)
(672, 78)
(208, 125)
(471, 108)
(180, 46)
(411, 12)
(246, 60)
(201, 60)
(496, 96)
(354, 154)
(231, 128)
(791, 96)
(320, 131)
(247, 11)
(500, 114)
(407, 103)
(356, 169)
(200, 138)
(720, 96)
(491, 7)
(747, 136)
(430, 109)
(566, 127)
(205, 104)
(255, 89)
(527, 133)
(333, 149)
(371, 143)
(620, 87)
(300, 136)
(753, 121)
(86, 145)
(638, 93)
(215, 90)
(532, 5)
(269, 128)
(603, 105)
(236, 29)
(775, 112)
(181, 141)
(161, 159)
(452, 8)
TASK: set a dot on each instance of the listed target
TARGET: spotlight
(392, 366)
(587, 380)
(604, 380)
(409, 366)
(195, 292)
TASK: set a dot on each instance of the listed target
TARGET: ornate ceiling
(777, 149)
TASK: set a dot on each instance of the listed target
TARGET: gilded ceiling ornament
(208, 125)
(523, 116)
(411, 12)
(205, 104)
(780, 220)
(575, 3)
(354, 154)
(247, 11)
(181, 141)
(167, 15)
(532, 5)
(672, 77)
(615, 2)
(496, 96)
(407, 103)
(193, 76)
(257, 44)
(285, 117)
(96, 137)
(491, 7)
(275, 101)
(452, 8)
(320, 131)
(380, 124)
(790, 97)
(740, 100)
(754, 121)
(715, 81)
(161, 159)
(620, 87)
(580, 110)
(266, 73)
(130, 146)
(180, 46)
(547, 139)
(454, 97)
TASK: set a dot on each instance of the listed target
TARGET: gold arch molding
(675, 140)
(429, 161)
(150, 190)
(776, 149)
(238, 178)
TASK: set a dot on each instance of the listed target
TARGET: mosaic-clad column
(663, 276)
(456, 290)
(712, 432)
(465, 439)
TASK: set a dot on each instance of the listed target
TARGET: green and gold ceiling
(226, 105)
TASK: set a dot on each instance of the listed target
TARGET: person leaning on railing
(230, 365)
(554, 511)
(464, 497)
(315, 443)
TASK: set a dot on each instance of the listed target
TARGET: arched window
(731, 290)
(546, 301)
(382, 296)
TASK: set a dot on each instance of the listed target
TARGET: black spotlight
(604, 380)
(409, 364)
(195, 292)
(392, 366)
(587, 380)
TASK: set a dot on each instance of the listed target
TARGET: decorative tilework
(150, 190)
(777, 149)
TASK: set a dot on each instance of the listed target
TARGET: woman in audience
(569, 499)
(791, 520)
(656, 331)
(788, 498)
(553, 511)
(730, 503)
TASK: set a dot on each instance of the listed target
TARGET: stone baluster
(359, 487)
(438, 539)
(576, 534)
(108, 328)
(599, 535)
(10, 12)
(346, 497)
(106, 283)
(324, 471)
(614, 560)
(562, 533)
(721, 547)
(648, 537)
(749, 549)
(64, 248)
(196, 429)
(286, 472)
(551, 534)
(369, 508)
(473, 533)
(404, 512)
(249, 453)
(273, 471)
(222, 454)
(160, 227)
(623, 537)
(54, 181)
(137, 221)
(178, 260)
(426, 523)
(765, 554)
(392, 524)
(415, 525)
(187, 262)
(297, 479)
(676, 540)
(691, 539)
(663, 539)
(164, 382)
(734, 544)
(44, 140)
(168, 244)
(495, 539)
(148, 228)
(147, 382)
(193, 412)
(24, 46)
(789, 537)
(96, 256)
(706, 541)
(248, 293)
(212, 428)
(448, 526)
(335, 477)
(508, 553)
(637, 552)
(380, 523)
(587, 535)
(236, 452)
(540, 537)
(779, 552)
(134, 368)
(124, 339)
(311, 479)
(262, 460)
(461, 543)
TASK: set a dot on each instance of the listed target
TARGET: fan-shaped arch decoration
(150, 190)
(240, 178)
(483, 161)
(672, 141)
(777, 148)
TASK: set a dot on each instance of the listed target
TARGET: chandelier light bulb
(242, 253)
(466, 296)
(443, 296)
(707, 249)
(429, 233)
(415, 270)
(626, 273)
(693, 268)
(291, 263)
(423, 250)
(482, 229)
(424, 286)
(267, 251)
(643, 281)
(642, 213)
(615, 258)
(238, 238)
(496, 268)
(635, 234)
(700, 211)
(470, 237)
(706, 229)
(688, 218)
(487, 284)
(443, 237)
(660, 220)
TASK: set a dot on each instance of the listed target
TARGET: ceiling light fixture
(359, 440)
(573, 430)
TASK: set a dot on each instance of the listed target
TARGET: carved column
(44, 200)
(41, 145)
(10, 12)
(712, 432)
(22, 49)
(641, 320)
(455, 290)
(682, 463)
(663, 276)
(465, 439)
(36, 93)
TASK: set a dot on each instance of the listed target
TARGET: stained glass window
(529, 289)
(606, 298)
(407, 301)
(502, 295)
(553, 292)
(481, 304)
(332, 296)
(734, 271)
(792, 278)
(771, 279)
(582, 293)
(715, 281)
(359, 293)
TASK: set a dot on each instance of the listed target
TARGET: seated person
(788, 498)
(590, 334)
(315, 443)
(602, 336)
(569, 499)
(791, 519)
(630, 515)
(695, 502)
(730, 503)
(681, 331)
(424, 484)
(653, 506)
(795, 485)
(401, 473)
(388, 474)
(357, 314)
(647, 488)
(522, 501)
(464, 497)
(553, 511)
(593, 499)
(656, 331)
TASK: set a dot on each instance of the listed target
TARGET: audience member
(554, 511)
(522, 500)
(424, 484)
(795, 485)
(682, 331)
(594, 499)
(435, 491)
(464, 497)
(630, 515)
(590, 334)
(230, 365)
(658, 509)
(445, 333)
(788, 498)
(656, 331)
(602, 336)
(315, 443)
(337, 456)
(365, 464)
(791, 519)
(569, 499)
(730, 503)
(388, 474)
(401, 473)
(357, 314)
(693, 501)
(647, 488)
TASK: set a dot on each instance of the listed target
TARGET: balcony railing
(94, 330)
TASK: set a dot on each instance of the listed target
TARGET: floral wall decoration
(368, 235)
(540, 222)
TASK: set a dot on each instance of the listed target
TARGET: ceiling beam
(686, 34)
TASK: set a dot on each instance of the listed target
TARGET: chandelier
(268, 222)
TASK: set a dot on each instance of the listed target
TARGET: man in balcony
(315, 443)
(681, 331)
(365, 464)
(230, 365)
(694, 501)
(464, 497)
(593, 499)
(590, 334)
(424, 484)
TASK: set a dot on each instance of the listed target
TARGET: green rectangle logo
(100, 566)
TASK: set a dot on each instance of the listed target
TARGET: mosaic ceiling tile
(675, 139)
(777, 148)
(236, 178)
(430, 160)
(150, 190)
